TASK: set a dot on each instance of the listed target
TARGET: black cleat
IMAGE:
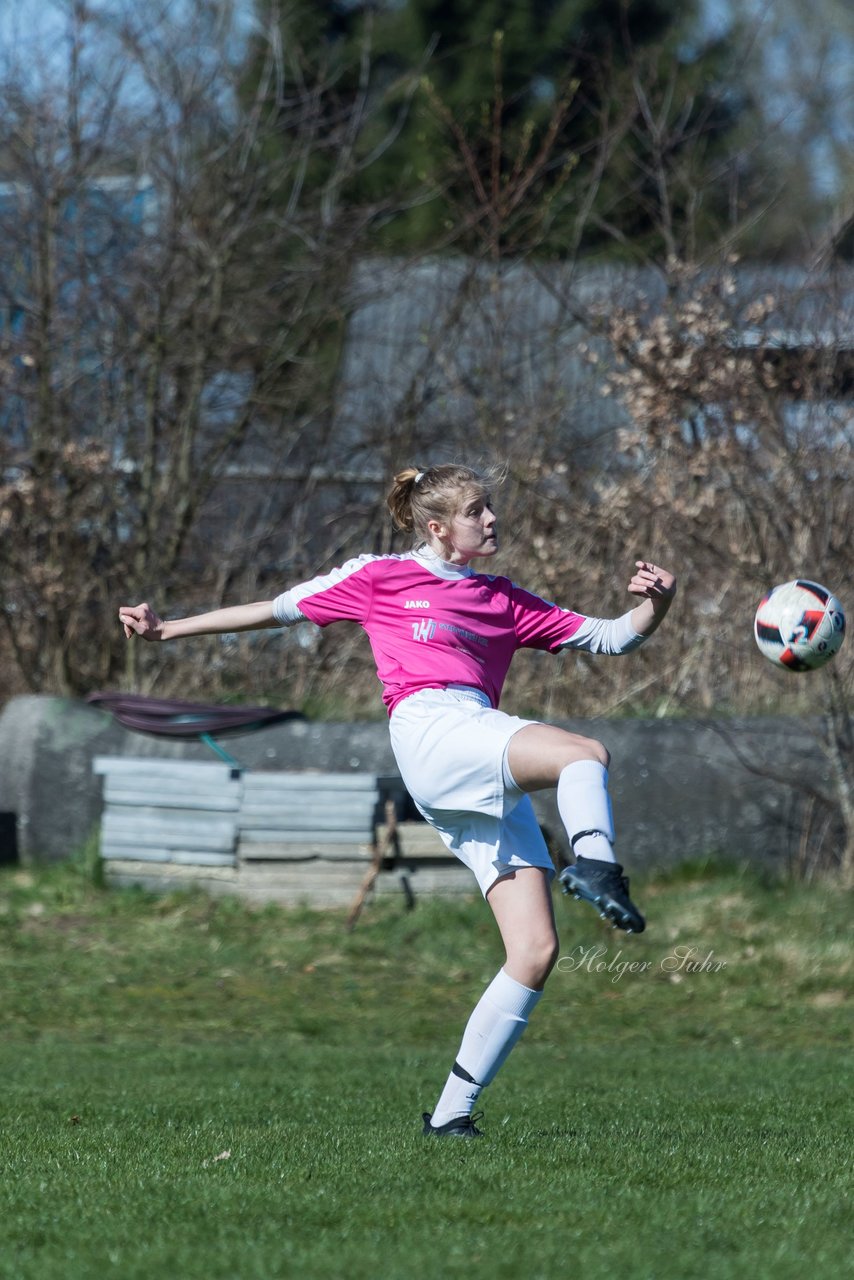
(604, 885)
(458, 1127)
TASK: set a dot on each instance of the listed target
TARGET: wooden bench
(172, 811)
(299, 817)
(310, 837)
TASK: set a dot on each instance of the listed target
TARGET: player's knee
(537, 956)
(591, 749)
(551, 953)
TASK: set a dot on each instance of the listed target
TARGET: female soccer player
(443, 636)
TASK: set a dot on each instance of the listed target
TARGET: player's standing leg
(522, 905)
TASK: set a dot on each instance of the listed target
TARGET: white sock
(585, 809)
(497, 1021)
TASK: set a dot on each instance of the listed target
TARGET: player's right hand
(141, 620)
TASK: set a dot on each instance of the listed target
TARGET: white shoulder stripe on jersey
(286, 608)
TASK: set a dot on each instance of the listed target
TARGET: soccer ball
(799, 625)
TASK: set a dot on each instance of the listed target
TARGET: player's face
(473, 530)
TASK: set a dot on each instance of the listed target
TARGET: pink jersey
(432, 624)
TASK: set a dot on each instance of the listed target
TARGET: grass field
(196, 1089)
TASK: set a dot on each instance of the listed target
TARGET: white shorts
(450, 746)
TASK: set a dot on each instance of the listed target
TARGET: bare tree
(172, 277)
(737, 451)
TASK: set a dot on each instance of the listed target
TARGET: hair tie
(419, 477)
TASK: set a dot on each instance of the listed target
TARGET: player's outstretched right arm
(141, 620)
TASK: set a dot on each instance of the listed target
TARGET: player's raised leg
(541, 756)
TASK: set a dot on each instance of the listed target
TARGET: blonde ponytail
(399, 499)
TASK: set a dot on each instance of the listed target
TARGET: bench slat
(316, 821)
(303, 783)
(179, 857)
(206, 802)
(111, 850)
(155, 768)
(166, 837)
(178, 874)
(145, 817)
(273, 835)
(323, 801)
(169, 783)
(305, 852)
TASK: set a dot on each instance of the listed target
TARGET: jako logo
(416, 604)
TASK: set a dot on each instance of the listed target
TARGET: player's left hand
(652, 581)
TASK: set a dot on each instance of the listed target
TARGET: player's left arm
(658, 587)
